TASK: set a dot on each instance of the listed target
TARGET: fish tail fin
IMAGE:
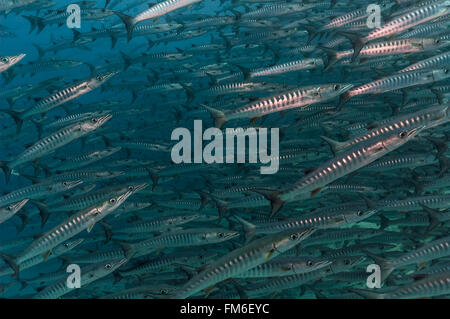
(38, 127)
(128, 249)
(368, 294)
(126, 60)
(218, 116)
(384, 222)
(386, 267)
(332, 57)
(433, 216)
(6, 170)
(129, 23)
(76, 35)
(35, 22)
(204, 198)
(343, 99)
(273, 196)
(17, 117)
(189, 93)
(40, 51)
(11, 262)
(249, 228)
(155, 178)
(357, 42)
(312, 32)
(43, 211)
(245, 71)
(335, 146)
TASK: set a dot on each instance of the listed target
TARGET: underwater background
(93, 118)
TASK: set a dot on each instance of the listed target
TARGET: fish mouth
(102, 120)
(230, 234)
(19, 57)
(108, 75)
(345, 87)
(73, 184)
(19, 205)
(138, 188)
(117, 263)
(415, 131)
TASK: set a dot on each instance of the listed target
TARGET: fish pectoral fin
(208, 291)
(158, 250)
(47, 254)
(314, 192)
(253, 120)
(90, 227)
(269, 254)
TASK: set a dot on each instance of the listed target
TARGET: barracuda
(154, 12)
(343, 164)
(6, 212)
(56, 99)
(242, 259)
(432, 250)
(297, 98)
(412, 18)
(395, 82)
(90, 274)
(54, 141)
(8, 61)
(75, 224)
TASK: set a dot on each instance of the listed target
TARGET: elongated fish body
(68, 94)
(415, 17)
(432, 250)
(428, 117)
(415, 203)
(86, 159)
(437, 61)
(38, 191)
(184, 238)
(242, 259)
(36, 260)
(91, 274)
(402, 161)
(398, 81)
(431, 286)
(279, 283)
(158, 223)
(154, 12)
(358, 156)
(292, 66)
(6, 212)
(54, 141)
(282, 102)
(72, 226)
(8, 61)
(285, 266)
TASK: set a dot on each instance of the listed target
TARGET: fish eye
(293, 237)
(220, 235)
(445, 71)
(66, 245)
(112, 200)
(108, 266)
(10, 208)
(163, 292)
(359, 213)
(65, 183)
(5, 60)
(403, 134)
(347, 262)
(99, 78)
(309, 263)
(130, 188)
(337, 87)
(94, 120)
(438, 41)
